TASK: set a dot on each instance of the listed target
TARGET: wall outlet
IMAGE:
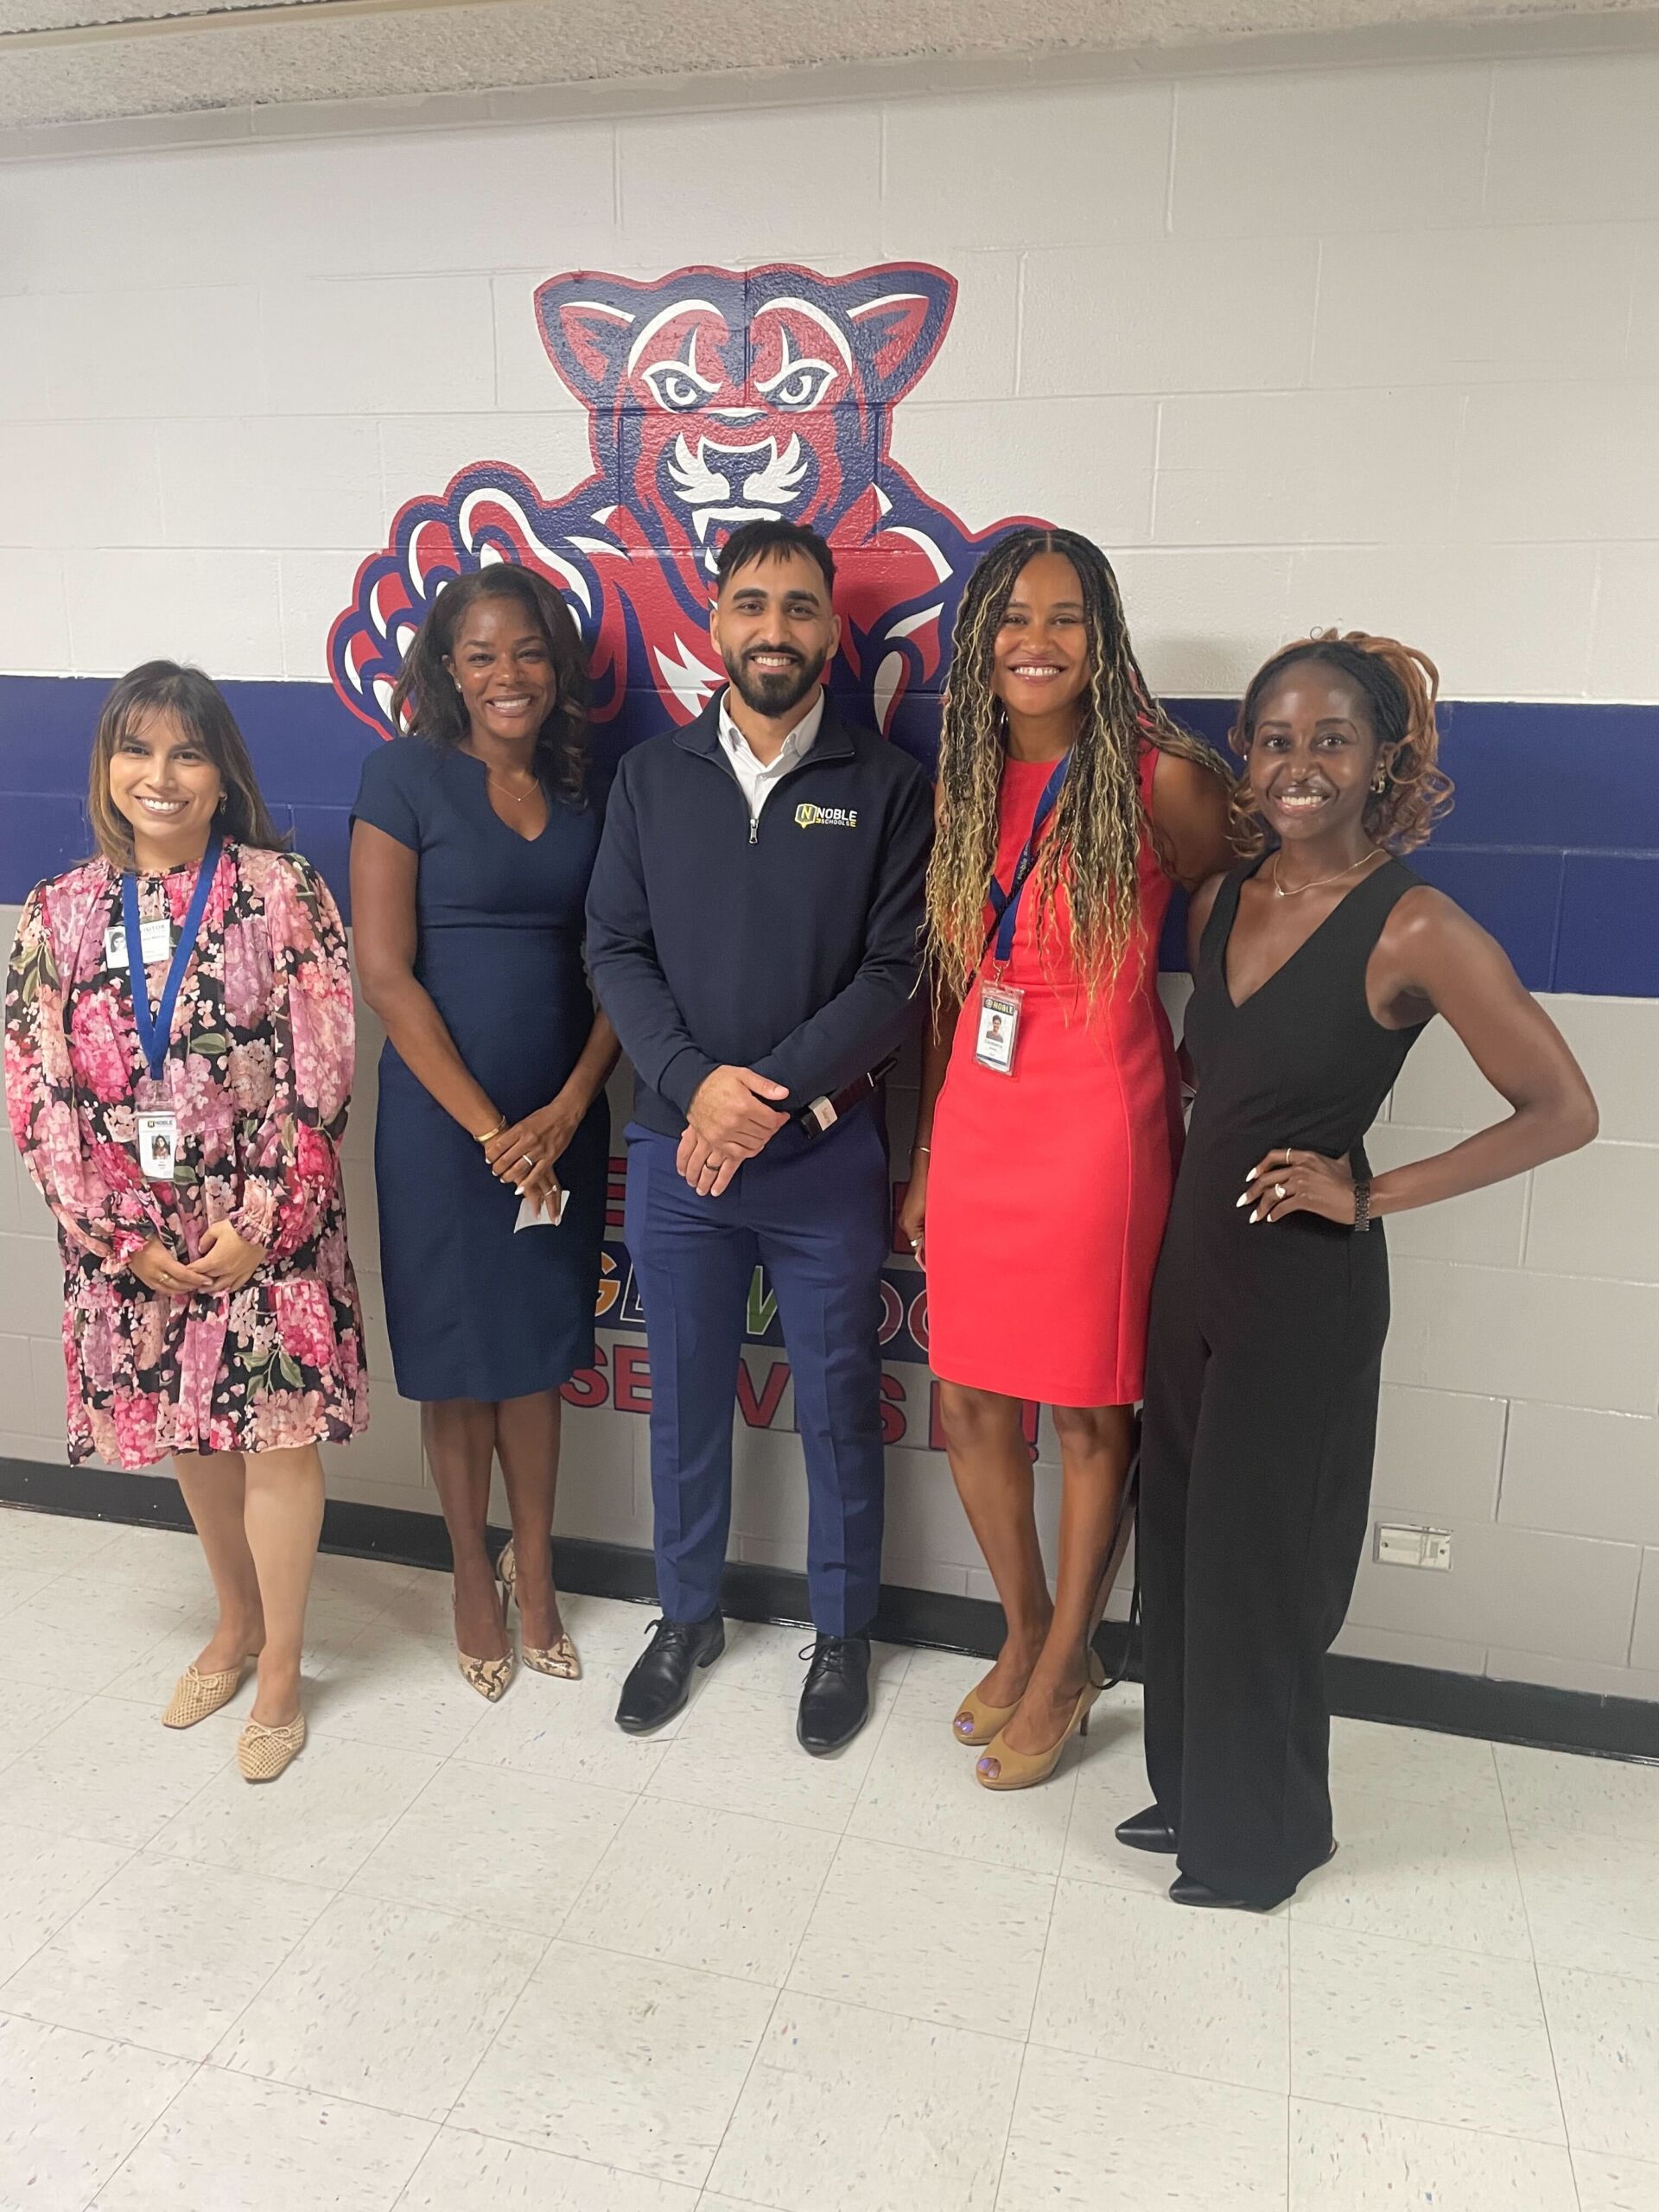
(1399, 1544)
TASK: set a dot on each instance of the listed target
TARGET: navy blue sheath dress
(473, 1310)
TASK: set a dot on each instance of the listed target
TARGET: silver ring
(1278, 1189)
(526, 1161)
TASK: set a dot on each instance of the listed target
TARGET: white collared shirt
(759, 778)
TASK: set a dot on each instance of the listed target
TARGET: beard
(773, 692)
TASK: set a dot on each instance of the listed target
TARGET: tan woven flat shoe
(263, 1753)
(196, 1694)
(560, 1659)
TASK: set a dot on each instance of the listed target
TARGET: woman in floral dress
(210, 1310)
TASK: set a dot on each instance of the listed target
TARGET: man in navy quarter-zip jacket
(754, 932)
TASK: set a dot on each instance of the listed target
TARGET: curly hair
(427, 702)
(1400, 687)
(1093, 843)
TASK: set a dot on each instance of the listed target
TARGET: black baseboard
(1360, 1689)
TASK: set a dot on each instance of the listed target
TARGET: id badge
(999, 1027)
(158, 1146)
(155, 942)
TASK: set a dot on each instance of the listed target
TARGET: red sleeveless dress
(1048, 1188)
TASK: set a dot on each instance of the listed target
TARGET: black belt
(823, 1113)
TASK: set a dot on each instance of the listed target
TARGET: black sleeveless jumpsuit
(1260, 1419)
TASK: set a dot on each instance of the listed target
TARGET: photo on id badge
(156, 943)
(158, 1146)
(999, 1027)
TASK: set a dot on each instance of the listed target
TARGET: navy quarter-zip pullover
(790, 944)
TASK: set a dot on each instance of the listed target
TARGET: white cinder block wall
(1376, 346)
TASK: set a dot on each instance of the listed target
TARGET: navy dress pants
(814, 1212)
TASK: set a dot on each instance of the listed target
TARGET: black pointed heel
(1147, 1831)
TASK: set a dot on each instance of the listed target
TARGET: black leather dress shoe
(659, 1681)
(836, 1700)
(1147, 1831)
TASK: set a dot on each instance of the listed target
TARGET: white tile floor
(467, 1958)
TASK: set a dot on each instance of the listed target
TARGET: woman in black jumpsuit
(1268, 1316)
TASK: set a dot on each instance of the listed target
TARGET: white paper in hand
(532, 1216)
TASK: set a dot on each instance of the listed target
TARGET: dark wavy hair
(426, 701)
(163, 687)
(773, 539)
(1400, 687)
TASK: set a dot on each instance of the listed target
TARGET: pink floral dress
(259, 1075)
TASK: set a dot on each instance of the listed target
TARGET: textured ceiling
(77, 60)
(79, 14)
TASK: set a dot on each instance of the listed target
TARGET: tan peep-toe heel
(560, 1659)
(1024, 1769)
(263, 1753)
(977, 1722)
(196, 1694)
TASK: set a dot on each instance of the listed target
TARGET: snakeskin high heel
(560, 1659)
(489, 1677)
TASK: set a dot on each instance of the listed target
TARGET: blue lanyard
(156, 1032)
(1005, 905)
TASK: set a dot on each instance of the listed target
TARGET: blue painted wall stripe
(1554, 845)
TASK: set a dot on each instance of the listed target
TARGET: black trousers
(1256, 1472)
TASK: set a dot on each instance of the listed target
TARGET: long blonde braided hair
(1093, 842)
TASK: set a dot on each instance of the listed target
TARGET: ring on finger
(1279, 1191)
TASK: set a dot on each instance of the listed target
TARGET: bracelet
(495, 1132)
(915, 1148)
(1363, 1203)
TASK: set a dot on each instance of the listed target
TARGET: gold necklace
(518, 798)
(1279, 891)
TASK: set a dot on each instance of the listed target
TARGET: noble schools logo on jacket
(808, 817)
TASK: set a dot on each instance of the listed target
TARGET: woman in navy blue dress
(473, 839)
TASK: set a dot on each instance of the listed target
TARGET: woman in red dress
(1049, 1125)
